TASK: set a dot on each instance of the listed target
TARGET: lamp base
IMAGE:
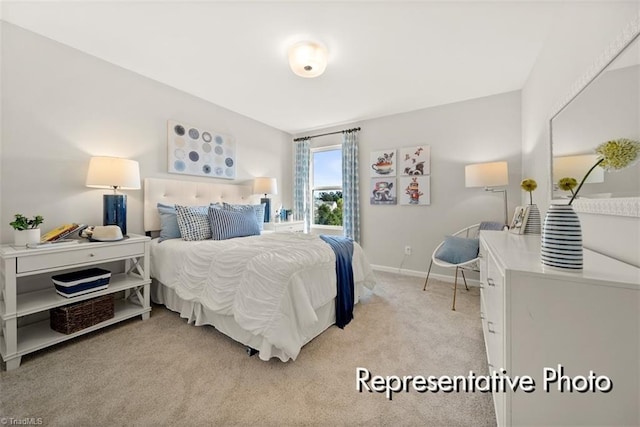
(267, 208)
(115, 211)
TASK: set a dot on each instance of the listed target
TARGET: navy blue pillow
(456, 250)
(226, 224)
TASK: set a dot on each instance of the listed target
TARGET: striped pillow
(193, 222)
(227, 224)
(258, 209)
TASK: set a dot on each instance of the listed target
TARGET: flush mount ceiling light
(308, 59)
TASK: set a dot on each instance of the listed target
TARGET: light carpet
(165, 372)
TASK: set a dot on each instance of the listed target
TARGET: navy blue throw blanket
(343, 248)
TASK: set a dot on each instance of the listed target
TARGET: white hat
(106, 233)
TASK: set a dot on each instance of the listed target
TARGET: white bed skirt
(198, 315)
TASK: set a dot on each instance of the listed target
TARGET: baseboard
(422, 274)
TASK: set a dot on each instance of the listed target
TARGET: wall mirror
(604, 105)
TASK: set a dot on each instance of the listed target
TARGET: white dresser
(535, 317)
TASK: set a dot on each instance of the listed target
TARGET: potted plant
(616, 154)
(561, 232)
(26, 229)
(533, 222)
(567, 184)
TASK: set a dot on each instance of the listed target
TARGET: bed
(272, 292)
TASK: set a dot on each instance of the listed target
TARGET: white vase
(533, 221)
(24, 237)
(561, 244)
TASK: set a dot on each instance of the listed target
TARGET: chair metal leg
(428, 272)
(464, 278)
(455, 285)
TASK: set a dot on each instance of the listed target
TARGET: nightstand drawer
(95, 253)
(290, 227)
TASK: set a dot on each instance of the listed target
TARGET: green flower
(529, 185)
(614, 155)
(567, 184)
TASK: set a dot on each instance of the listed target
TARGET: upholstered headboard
(188, 193)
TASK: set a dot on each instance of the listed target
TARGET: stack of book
(61, 232)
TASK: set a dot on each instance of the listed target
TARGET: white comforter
(265, 282)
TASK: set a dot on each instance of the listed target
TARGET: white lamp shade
(308, 59)
(486, 174)
(576, 167)
(113, 172)
(264, 185)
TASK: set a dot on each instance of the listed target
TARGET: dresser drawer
(94, 253)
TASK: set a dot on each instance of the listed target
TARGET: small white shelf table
(19, 263)
(277, 227)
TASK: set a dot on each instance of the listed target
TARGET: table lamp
(264, 185)
(115, 173)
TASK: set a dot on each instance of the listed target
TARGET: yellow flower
(618, 154)
(529, 185)
(615, 154)
(567, 184)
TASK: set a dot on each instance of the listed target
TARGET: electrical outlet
(407, 250)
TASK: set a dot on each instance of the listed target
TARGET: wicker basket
(75, 317)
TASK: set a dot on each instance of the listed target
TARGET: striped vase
(561, 238)
(533, 221)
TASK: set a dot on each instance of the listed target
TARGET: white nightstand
(277, 227)
(17, 263)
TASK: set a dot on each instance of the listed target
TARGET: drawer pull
(490, 281)
(92, 254)
(490, 327)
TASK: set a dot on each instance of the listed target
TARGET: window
(326, 186)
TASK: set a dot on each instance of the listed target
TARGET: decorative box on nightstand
(18, 264)
(277, 227)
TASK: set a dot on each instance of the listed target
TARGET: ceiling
(384, 57)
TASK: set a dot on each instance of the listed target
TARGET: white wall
(480, 130)
(579, 37)
(62, 106)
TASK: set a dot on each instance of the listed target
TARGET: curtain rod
(302, 138)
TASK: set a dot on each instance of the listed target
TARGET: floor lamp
(114, 173)
(489, 175)
(264, 185)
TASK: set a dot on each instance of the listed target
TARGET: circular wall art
(203, 152)
(194, 133)
(179, 130)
